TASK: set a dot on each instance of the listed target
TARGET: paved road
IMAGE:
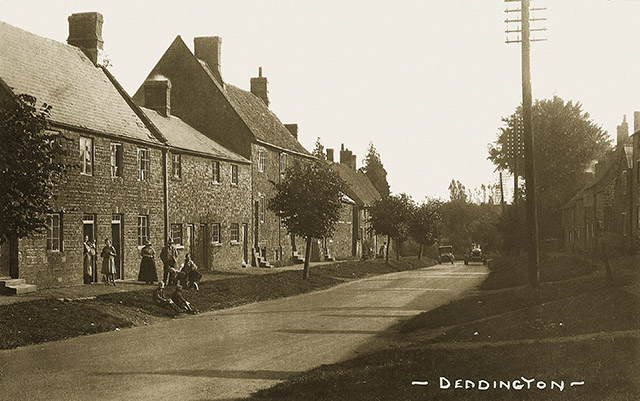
(228, 354)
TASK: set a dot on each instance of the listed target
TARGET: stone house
(117, 191)
(363, 194)
(209, 188)
(602, 212)
(240, 121)
(143, 174)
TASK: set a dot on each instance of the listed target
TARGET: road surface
(229, 354)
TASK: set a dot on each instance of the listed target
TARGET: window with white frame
(215, 170)
(176, 234)
(625, 181)
(262, 206)
(143, 229)
(117, 160)
(234, 232)
(86, 155)
(283, 163)
(234, 174)
(54, 232)
(144, 164)
(215, 233)
(176, 165)
(262, 160)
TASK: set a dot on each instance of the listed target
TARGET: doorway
(89, 230)
(202, 243)
(245, 244)
(190, 240)
(117, 239)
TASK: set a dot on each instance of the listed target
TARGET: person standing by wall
(87, 259)
(108, 255)
(148, 272)
(168, 255)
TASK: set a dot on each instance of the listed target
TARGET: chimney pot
(157, 95)
(330, 155)
(85, 33)
(209, 50)
(623, 132)
(259, 87)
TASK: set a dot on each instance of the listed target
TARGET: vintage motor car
(475, 255)
(445, 254)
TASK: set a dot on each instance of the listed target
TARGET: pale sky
(426, 81)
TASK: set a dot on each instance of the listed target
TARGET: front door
(89, 230)
(202, 256)
(191, 240)
(245, 244)
(116, 237)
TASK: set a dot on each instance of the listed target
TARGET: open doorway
(117, 239)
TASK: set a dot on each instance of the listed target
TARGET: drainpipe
(165, 184)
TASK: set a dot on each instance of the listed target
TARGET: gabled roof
(359, 187)
(182, 136)
(80, 94)
(261, 121)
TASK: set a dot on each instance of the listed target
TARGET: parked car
(475, 255)
(445, 254)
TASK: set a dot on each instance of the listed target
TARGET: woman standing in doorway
(148, 272)
(108, 255)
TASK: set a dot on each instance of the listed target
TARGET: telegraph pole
(529, 173)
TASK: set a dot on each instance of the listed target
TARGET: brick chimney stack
(85, 33)
(157, 95)
(330, 155)
(209, 50)
(259, 87)
(347, 157)
(636, 121)
(623, 132)
(293, 129)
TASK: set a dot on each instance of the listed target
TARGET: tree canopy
(31, 166)
(565, 141)
(309, 200)
(426, 223)
(318, 151)
(391, 216)
(374, 170)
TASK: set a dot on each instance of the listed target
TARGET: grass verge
(34, 322)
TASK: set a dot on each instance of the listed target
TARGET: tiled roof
(60, 75)
(261, 121)
(360, 188)
(180, 135)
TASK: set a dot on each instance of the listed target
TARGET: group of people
(187, 275)
(108, 256)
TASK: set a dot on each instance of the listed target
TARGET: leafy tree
(566, 140)
(318, 151)
(426, 223)
(457, 192)
(391, 216)
(308, 201)
(375, 171)
(31, 167)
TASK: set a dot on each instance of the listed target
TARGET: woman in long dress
(108, 255)
(148, 272)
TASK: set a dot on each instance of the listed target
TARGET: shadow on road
(212, 373)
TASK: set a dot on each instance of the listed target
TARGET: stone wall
(196, 200)
(103, 197)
